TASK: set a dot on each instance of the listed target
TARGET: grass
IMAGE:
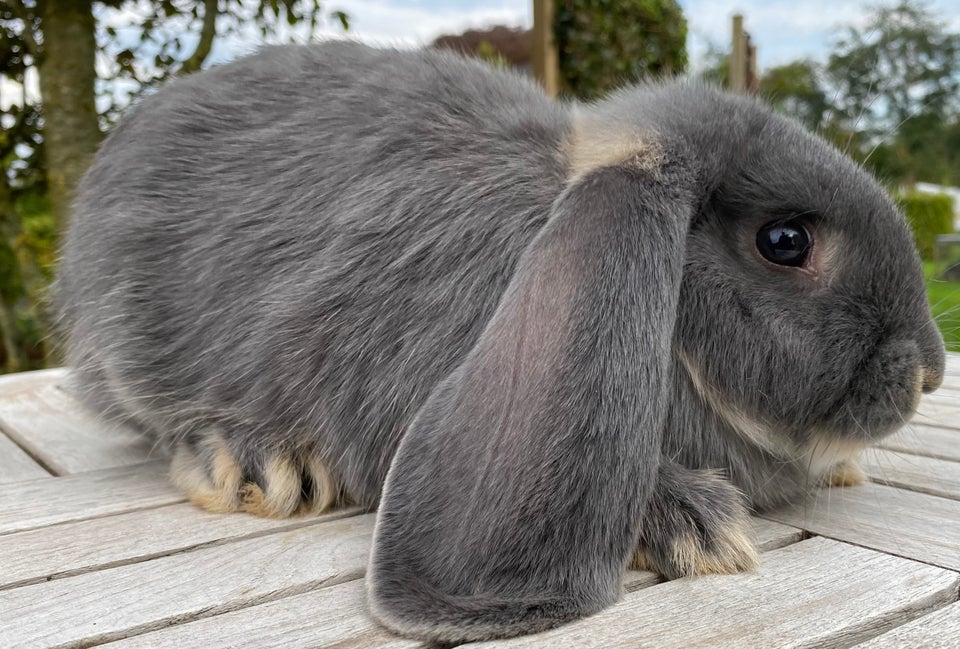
(945, 302)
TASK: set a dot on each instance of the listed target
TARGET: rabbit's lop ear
(515, 496)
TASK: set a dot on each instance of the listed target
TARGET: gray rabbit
(548, 340)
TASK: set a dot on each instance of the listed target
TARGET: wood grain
(47, 501)
(41, 417)
(932, 441)
(769, 535)
(15, 464)
(114, 603)
(295, 622)
(915, 472)
(938, 410)
(331, 617)
(41, 554)
(937, 630)
(816, 593)
(904, 523)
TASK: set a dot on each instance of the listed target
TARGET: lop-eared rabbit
(545, 340)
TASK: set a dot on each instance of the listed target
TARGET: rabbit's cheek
(749, 428)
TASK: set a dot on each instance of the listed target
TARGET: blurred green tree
(904, 63)
(77, 49)
(795, 89)
(603, 44)
(897, 84)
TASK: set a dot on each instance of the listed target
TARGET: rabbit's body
(300, 269)
(561, 328)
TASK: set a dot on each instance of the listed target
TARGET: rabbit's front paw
(695, 524)
(847, 473)
(275, 486)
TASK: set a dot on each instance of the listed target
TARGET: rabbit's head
(803, 318)
(698, 233)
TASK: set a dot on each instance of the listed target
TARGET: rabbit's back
(296, 247)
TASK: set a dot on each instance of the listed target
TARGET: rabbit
(545, 340)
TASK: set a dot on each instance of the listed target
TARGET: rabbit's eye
(785, 244)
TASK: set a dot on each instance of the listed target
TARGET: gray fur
(326, 249)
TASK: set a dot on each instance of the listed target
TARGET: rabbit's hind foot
(275, 486)
(695, 524)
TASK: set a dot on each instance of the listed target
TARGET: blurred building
(513, 44)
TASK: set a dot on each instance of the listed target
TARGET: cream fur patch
(592, 145)
(747, 427)
(824, 453)
(845, 474)
(215, 488)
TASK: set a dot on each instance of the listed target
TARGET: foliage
(603, 44)
(796, 90)
(716, 69)
(928, 216)
(487, 52)
(144, 44)
(140, 43)
(944, 299)
(903, 64)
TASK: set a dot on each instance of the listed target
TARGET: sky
(783, 30)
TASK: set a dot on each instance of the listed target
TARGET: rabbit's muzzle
(886, 393)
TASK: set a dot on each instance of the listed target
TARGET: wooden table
(97, 548)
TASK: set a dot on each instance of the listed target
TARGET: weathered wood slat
(915, 472)
(770, 535)
(816, 593)
(15, 464)
(337, 616)
(110, 604)
(231, 575)
(25, 381)
(68, 438)
(943, 443)
(47, 501)
(42, 554)
(901, 522)
(331, 617)
(937, 630)
(938, 410)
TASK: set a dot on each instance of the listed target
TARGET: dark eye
(786, 244)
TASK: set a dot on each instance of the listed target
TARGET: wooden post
(546, 60)
(738, 57)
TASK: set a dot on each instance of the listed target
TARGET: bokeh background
(880, 80)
